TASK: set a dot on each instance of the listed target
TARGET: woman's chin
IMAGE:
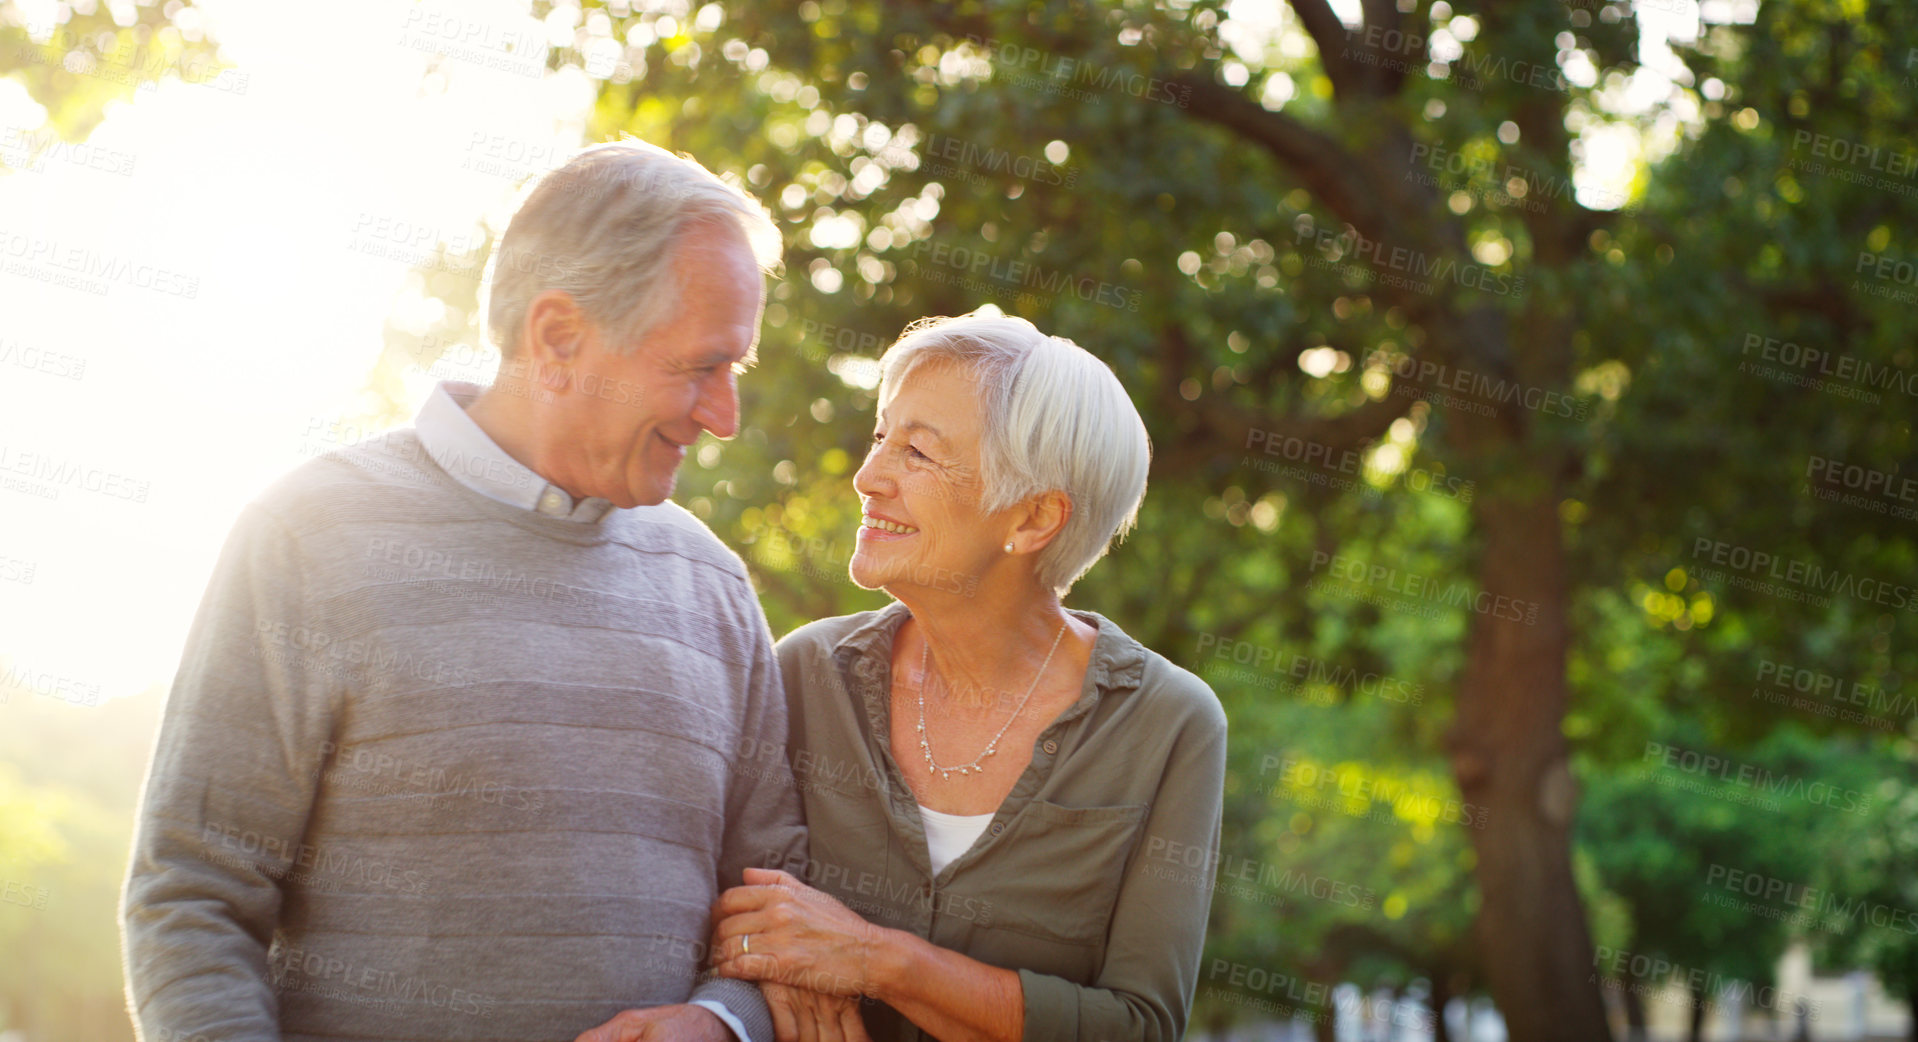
(873, 571)
(864, 572)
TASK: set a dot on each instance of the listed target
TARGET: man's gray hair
(602, 227)
(1055, 419)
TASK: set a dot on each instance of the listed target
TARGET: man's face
(632, 415)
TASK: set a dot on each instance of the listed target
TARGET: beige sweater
(437, 767)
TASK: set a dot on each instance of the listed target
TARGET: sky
(191, 303)
(238, 246)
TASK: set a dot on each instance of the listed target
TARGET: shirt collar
(1117, 663)
(463, 450)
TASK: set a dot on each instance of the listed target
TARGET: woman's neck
(981, 651)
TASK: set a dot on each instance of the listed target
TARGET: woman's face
(922, 526)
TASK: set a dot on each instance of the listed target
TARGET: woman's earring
(1008, 548)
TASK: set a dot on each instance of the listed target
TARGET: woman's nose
(873, 479)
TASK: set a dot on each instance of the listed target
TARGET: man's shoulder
(390, 464)
(672, 529)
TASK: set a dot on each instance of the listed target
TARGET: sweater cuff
(1052, 1007)
(725, 1017)
(750, 1019)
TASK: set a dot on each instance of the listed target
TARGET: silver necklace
(992, 746)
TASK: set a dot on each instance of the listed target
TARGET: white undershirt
(950, 835)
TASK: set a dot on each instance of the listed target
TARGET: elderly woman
(1004, 796)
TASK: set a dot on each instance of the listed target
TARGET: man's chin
(645, 489)
(654, 491)
(627, 499)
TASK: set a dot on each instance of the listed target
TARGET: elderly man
(453, 748)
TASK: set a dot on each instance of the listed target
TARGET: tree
(76, 59)
(1353, 256)
(1882, 878)
(1235, 223)
(1660, 836)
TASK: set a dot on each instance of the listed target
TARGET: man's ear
(556, 329)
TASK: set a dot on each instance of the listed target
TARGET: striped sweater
(437, 767)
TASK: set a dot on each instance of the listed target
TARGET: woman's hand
(776, 928)
(807, 1016)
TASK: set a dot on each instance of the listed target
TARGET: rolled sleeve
(1154, 946)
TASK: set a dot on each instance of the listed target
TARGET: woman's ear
(1045, 517)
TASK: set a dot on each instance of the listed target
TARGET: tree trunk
(1508, 753)
(1634, 1007)
(1441, 997)
(1697, 1029)
(1325, 1026)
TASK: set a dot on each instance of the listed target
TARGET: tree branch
(1348, 77)
(1386, 76)
(1329, 171)
(1221, 428)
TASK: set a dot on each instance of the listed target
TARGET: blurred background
(1531, 386)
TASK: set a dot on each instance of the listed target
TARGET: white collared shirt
(465, 451)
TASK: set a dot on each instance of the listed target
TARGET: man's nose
(718, 408)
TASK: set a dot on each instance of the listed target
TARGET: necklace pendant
(978, 765)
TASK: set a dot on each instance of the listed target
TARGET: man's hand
(683, 1023)
(807, 1016)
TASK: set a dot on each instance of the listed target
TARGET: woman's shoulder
(1170, 693)
(820, 636)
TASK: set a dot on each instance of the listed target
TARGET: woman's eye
(916, 452)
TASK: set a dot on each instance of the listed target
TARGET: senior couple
(476, 735)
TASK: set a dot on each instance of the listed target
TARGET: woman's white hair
(602, 227)
(1055, 419)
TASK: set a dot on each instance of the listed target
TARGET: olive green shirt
(1084, 881)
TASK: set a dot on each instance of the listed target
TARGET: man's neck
(510, 420)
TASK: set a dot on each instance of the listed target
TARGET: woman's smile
(874, 527)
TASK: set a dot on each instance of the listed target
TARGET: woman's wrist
(889, 955)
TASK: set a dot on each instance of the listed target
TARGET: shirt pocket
(1057, 874)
